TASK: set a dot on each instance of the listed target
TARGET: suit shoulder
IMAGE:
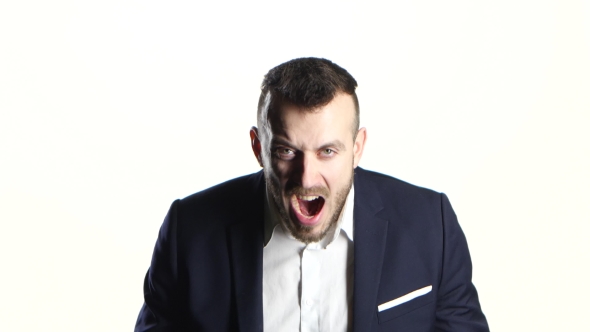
(394, 186)
(226, 200)
(228, 189)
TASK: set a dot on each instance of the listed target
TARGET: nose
(309, 171)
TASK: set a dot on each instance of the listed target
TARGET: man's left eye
(328, 152)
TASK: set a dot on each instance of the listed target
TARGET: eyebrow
(279, 141)
(337, 144)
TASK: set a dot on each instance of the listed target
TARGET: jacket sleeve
(159, 312)
(458, 307)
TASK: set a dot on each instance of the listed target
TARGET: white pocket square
(405, 298)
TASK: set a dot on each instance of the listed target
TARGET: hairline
(270, 100)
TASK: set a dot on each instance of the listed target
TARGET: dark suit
(206, 271)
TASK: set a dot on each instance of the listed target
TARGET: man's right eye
(285, 153)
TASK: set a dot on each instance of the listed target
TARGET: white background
(110, 110)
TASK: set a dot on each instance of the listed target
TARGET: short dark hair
(308, 83)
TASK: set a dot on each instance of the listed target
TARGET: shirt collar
(345, 222)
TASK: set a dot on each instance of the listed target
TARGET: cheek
(338, 174)
(280, 170)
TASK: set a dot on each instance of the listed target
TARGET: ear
(359, 145)
(255, 142)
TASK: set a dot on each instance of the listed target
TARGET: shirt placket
(310, 290)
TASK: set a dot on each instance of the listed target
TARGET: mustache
(313, 191)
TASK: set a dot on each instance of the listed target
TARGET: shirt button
(308, 302)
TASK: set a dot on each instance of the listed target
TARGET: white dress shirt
(308, 287)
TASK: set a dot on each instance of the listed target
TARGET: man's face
(309, 159)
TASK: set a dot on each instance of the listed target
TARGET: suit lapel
(370, 233)
(246, 241)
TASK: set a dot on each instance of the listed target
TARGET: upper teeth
(308, 198)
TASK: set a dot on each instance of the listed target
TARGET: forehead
(333, 119)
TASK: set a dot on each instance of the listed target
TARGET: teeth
(308, 198)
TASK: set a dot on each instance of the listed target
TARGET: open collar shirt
(308, 288)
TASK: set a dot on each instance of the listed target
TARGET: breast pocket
(404, 304)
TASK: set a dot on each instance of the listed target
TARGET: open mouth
(307, 208)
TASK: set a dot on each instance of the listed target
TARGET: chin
(307, 236)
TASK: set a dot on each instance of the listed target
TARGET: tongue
(311, 208)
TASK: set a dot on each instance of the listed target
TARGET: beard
(301, 232)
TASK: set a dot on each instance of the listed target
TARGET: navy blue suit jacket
(206, 270)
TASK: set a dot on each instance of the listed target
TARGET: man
(313, 242)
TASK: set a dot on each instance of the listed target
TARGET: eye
(285, 153)
(327, 152)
